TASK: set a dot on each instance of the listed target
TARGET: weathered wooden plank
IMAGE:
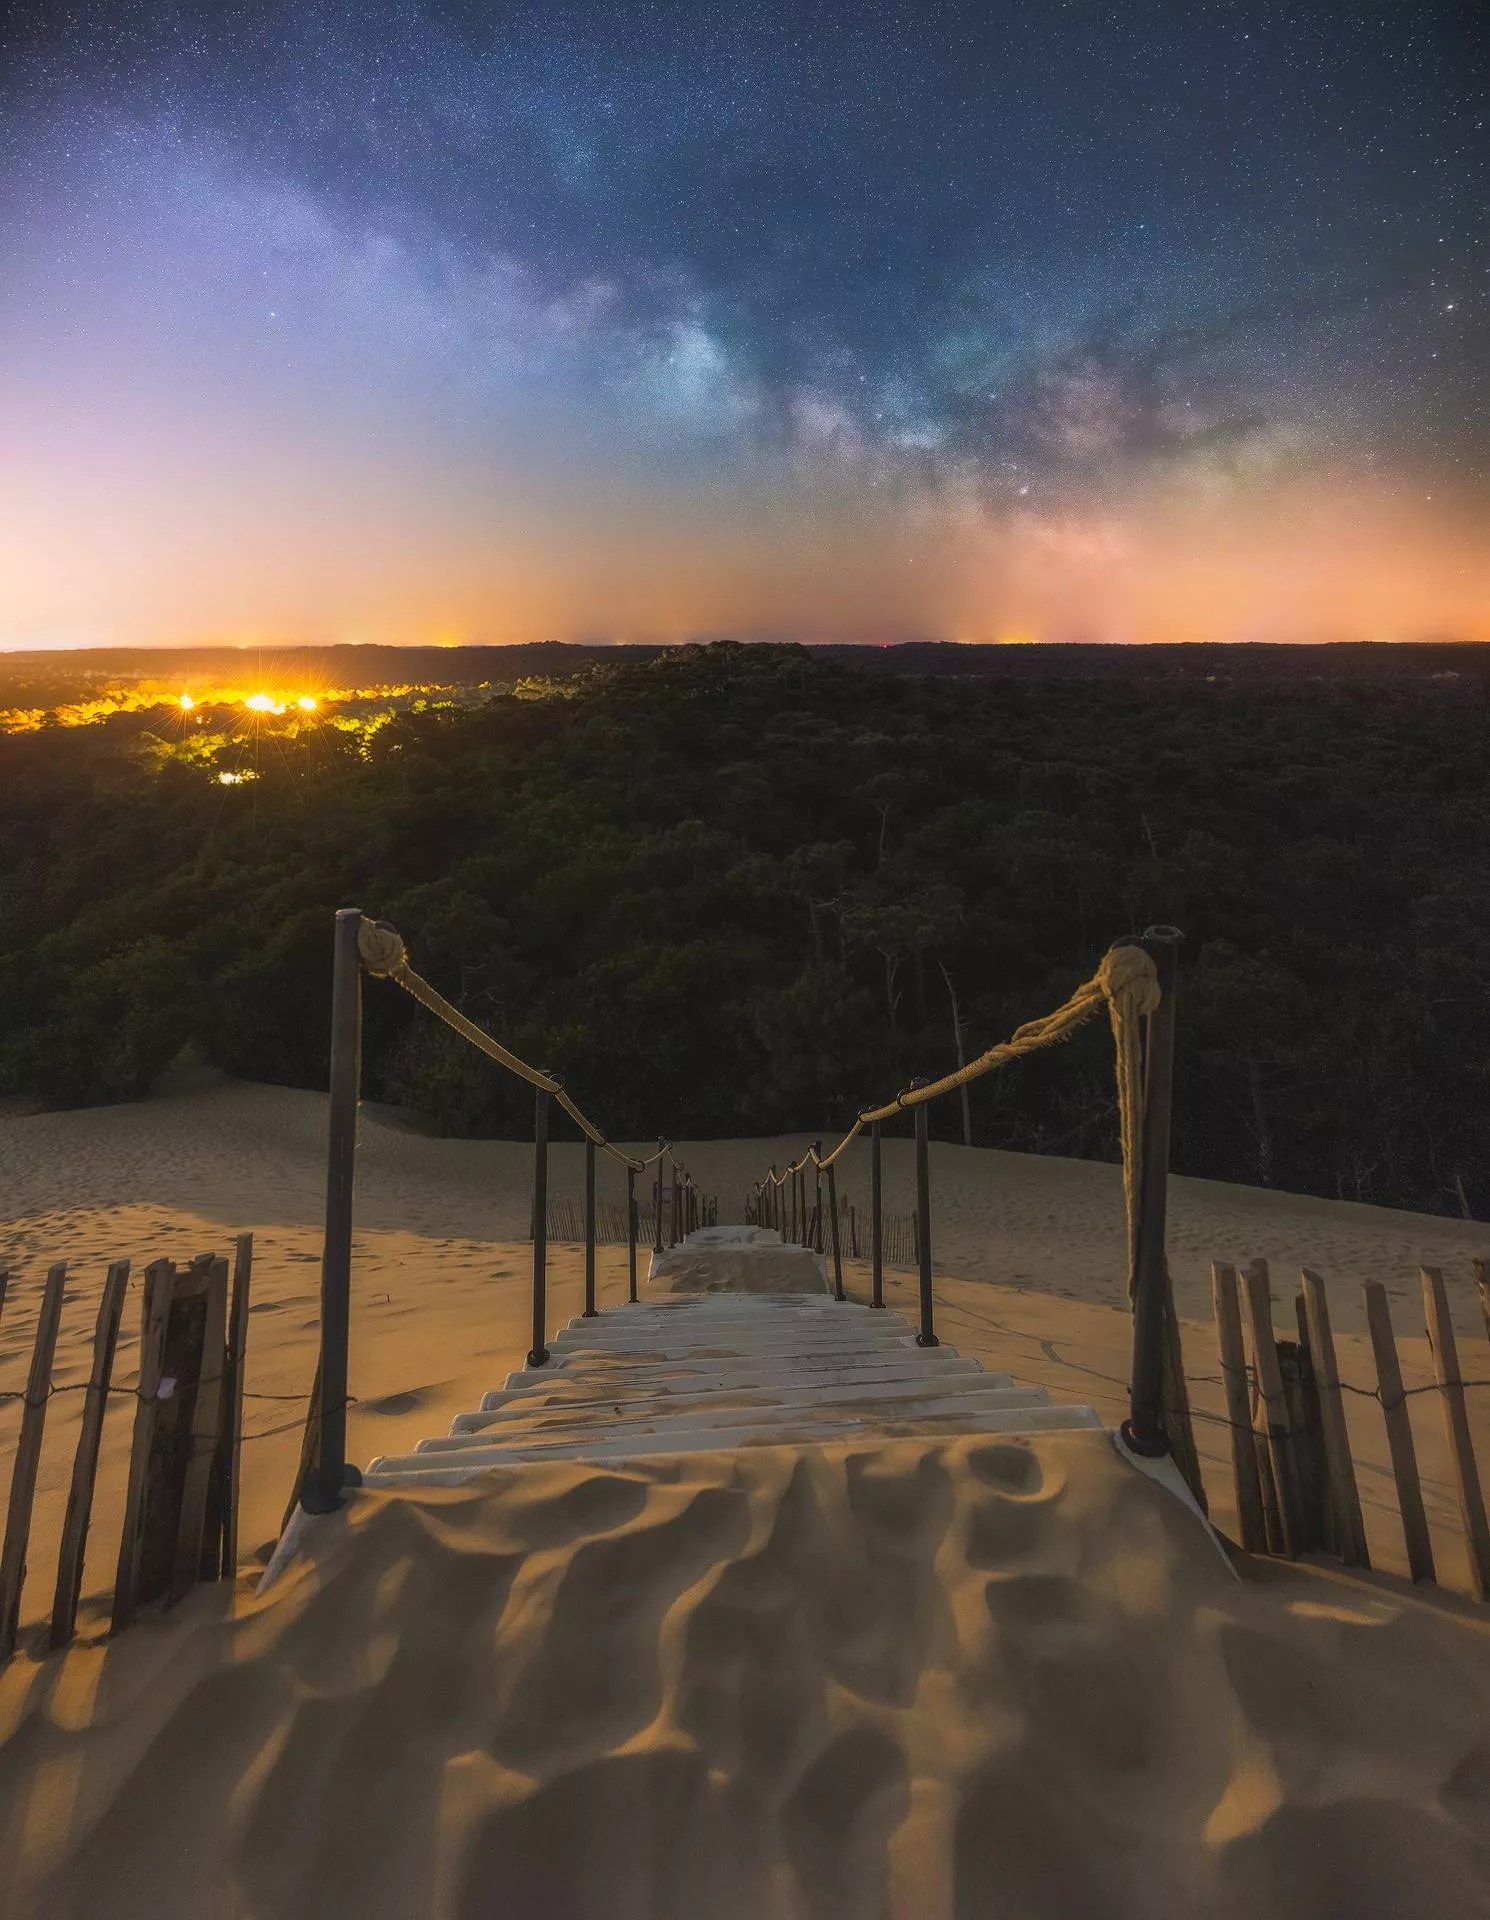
(1251, 1522)
(1274, 1407)
(1456, 1430)
(309, 1443)
(160, 1282)
(74, 1546)
(1306, 1455)
(201, 1421)
(1399, 1433)
(220, 1537)
(28, 1458)
(1345, 1499)
(1481, 1280)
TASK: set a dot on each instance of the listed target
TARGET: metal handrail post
(927, 1336)
(837, 1253)
(631, 1235)
(589, 1313)
(876, 1222)
(323, 1486)
(538, 1352)
(1143, 1430)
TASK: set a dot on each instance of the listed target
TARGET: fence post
(1251, 1520)
(589, 1313)
(1456, 1429)
(28, 1458)
(1277, 1427)
(1399, 1433)
(1143, 1430)
(85, 1460)
(927, 1336)
(657, 1221)
(330, 1474)
(1350, 1531)
(837, 1254)
(631, 1235)
(538, 1352)
(817, 1200)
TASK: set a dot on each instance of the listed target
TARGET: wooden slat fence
(1292, 1468)
(899, 1233)
(181, 1510)
(566, 1220)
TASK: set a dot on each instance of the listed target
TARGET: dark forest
(730, 890)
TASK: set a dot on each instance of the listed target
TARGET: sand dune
(941, 1679)
(1029, 1256)
(944, 1681)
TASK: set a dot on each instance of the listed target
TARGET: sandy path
(1029, 1256)
(920, 1685)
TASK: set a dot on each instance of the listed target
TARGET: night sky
(457, 322)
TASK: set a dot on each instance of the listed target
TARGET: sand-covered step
(734, 1306)
(761, 1271)
(681, 1321)
(724, 1353)
(416, 1469)
(735, 1347)
(770, 1394)
(606, 1389)
(744, 1305)
(725, 1415)
(727, 1369)
(666, 1376)
(726, 1339)
(980, 1388)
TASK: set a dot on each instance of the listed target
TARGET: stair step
(416, 1469)
(586, 1384)
(520, 1430)
(976, 1387)
(724, 1356)
(741, 1306)
(731, 1340)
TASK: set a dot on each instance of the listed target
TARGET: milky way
(447, 321)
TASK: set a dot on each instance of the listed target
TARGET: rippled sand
(931, 1678)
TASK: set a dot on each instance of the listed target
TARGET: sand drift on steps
(926, 1679)
(719, 1369)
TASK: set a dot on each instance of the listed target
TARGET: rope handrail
(1126, 982)
(383, 953)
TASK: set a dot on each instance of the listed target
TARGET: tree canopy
(732, 889)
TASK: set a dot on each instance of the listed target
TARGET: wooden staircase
(723, 1365)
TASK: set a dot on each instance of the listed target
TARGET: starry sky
(423, 320)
